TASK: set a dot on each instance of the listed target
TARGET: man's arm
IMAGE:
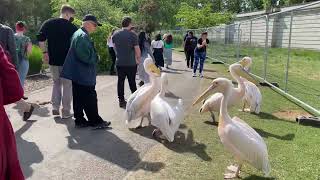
(138, 54)
(84, 50)
(12, 47)
(42, 37)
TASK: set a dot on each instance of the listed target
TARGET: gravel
(37, 82)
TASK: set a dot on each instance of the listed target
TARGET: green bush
(100, 41)
(35, 60)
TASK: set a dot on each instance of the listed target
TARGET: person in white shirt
(112, 52)
(157, 46)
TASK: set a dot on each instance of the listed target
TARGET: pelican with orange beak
(236, 135)
(212, 104)
(138, 105)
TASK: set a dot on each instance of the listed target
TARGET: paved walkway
(51, 148)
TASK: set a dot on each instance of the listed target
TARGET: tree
(190, 17)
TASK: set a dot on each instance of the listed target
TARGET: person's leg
(78, 94)
(91, 105)
(120, 86)
(23, 71)
(188, 56)
(196, 62)
(192, 58)
(113, 59)
(56, 90)
(66, 96)
(131, 74)
(202, 60)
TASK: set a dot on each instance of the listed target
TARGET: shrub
(100, 41)
(35, 60)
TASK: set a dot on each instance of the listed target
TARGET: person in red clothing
(10, 92)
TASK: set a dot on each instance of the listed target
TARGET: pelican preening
(165, 117)
(237, 136)
(138, 105)
(252, 96)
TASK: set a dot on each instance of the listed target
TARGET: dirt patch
(290, 114)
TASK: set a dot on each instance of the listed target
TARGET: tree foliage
(190, 17)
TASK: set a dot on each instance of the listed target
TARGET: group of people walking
(195, 51)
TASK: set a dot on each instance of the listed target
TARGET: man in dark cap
(80, 68)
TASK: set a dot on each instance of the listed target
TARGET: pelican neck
(238, 79)
(224, 115)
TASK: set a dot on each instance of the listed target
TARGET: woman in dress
(157, 46)
(111, 52)
(167, 53)
(145, 52)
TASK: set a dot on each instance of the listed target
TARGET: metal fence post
(250, 38)
(289, 52)
(238, 47)
(266, 49)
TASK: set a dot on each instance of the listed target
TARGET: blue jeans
(199, 57)
(23, 70)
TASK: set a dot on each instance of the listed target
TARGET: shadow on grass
(185, 144)
(264, 115)
(254, 177)
(288, 137)
(212, 123)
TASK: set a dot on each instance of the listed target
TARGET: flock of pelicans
(236, 135)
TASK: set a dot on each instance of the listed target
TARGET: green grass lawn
(304, 68)
(294, 150)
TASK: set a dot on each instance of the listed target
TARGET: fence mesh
(285, 48)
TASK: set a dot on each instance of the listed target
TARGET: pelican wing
(246, 144)
(165, 117)
(136, 101)
(212, 103)
(253, 96)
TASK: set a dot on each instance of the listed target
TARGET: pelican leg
(140, 125)
(149, 119)
(244, 106)
(213, 117)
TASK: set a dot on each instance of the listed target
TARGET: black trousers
(130, 73)
(190, 58)
(113, 58)
(85, 100)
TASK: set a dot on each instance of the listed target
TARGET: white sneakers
(195, 75)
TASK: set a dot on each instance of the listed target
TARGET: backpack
(21, 46)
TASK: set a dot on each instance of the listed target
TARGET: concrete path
(51, 148)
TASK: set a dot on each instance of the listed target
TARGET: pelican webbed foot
(235, 171)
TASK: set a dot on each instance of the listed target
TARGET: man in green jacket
(80, 68)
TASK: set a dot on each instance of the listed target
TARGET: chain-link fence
(284, 46)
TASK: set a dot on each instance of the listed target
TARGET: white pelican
(138, 105)
(252, 96)
(237, 136)
(164, 116)
(212, 104)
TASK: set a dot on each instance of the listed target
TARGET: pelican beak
(204, 95)
(154, 70)
(245, 74)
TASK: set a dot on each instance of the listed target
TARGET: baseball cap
(90, 17)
